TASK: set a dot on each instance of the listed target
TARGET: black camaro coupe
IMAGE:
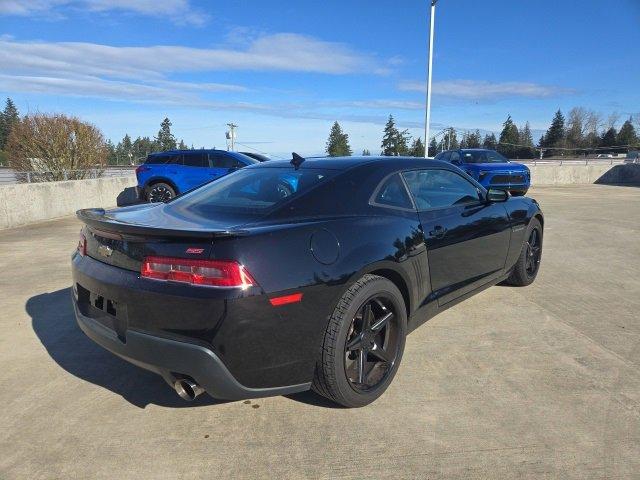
(285, 276)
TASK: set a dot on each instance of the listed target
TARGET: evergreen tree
(433, 148)
(338, 142)
(473, 140)
(143, 146)
(8, 118)
(509, 138)
(556, 134)
(390, 137)
(111, 153)
(609, 138)
(417, 148)
(165, 139)
(490, 141)
(366, 152)
(526, 149)
(182, 145)
(627, 136)
(394, 142)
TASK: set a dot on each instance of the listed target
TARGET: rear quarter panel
(285, 341)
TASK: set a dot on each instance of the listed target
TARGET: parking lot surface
(535, 382)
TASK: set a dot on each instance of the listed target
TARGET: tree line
(583, 132)
(134, 151)
(59, 143)
(395, 142)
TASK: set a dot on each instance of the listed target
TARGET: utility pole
(427, 123)
(231, 134)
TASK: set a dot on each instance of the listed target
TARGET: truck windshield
(483, 156)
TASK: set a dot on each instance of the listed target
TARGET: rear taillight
(82, 244)
(212, 273)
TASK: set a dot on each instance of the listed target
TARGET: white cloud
(474, 89)
(88, 86)
(155, 74)
(279, 52)
(178, 11)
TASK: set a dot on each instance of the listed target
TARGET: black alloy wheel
(160, 192)
(372, 344)
(363, 343)
(533, 252)
(526, 268)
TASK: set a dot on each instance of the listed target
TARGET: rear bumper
(174, 359)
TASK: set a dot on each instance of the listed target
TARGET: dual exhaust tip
(187, 389)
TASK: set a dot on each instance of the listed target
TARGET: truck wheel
(363, 343)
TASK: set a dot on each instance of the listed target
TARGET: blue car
(167, 174)
(490, 169)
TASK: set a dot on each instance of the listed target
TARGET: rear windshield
(249, 191)
(483, 156)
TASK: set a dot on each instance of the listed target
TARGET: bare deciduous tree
(612, 121)
(56, 147)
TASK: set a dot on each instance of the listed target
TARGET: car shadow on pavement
(54, 323)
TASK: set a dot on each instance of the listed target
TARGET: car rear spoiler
(97, 218)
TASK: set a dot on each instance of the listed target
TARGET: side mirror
(496, 195)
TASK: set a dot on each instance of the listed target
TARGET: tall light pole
(427, 123)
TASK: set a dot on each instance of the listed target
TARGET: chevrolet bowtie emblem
(105, 251)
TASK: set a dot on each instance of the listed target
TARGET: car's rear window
(250, 191)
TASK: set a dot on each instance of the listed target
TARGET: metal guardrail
(576, 161)
(9, 176)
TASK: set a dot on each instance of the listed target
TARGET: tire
(338, 375)
(522, 275)
(159, 192)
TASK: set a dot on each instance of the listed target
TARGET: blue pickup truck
(490, 169)
(167, 174)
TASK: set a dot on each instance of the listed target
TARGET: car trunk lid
(124, 237)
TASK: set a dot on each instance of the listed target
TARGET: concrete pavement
(535, 382)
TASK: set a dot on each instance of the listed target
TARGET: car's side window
(195, 159)
(434, 188)
(220, 160)
(164, 159)
(393, 193)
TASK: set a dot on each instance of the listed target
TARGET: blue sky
(284, 71)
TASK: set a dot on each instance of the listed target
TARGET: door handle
(438, 232)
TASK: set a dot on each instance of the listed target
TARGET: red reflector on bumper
(293, 298)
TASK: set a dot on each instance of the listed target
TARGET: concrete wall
(28, 203)
(22, 204)
(550, 174)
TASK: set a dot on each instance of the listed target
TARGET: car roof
(205, 150)
(344, 163)
(189, 150)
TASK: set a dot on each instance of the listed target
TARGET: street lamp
(427, 123)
